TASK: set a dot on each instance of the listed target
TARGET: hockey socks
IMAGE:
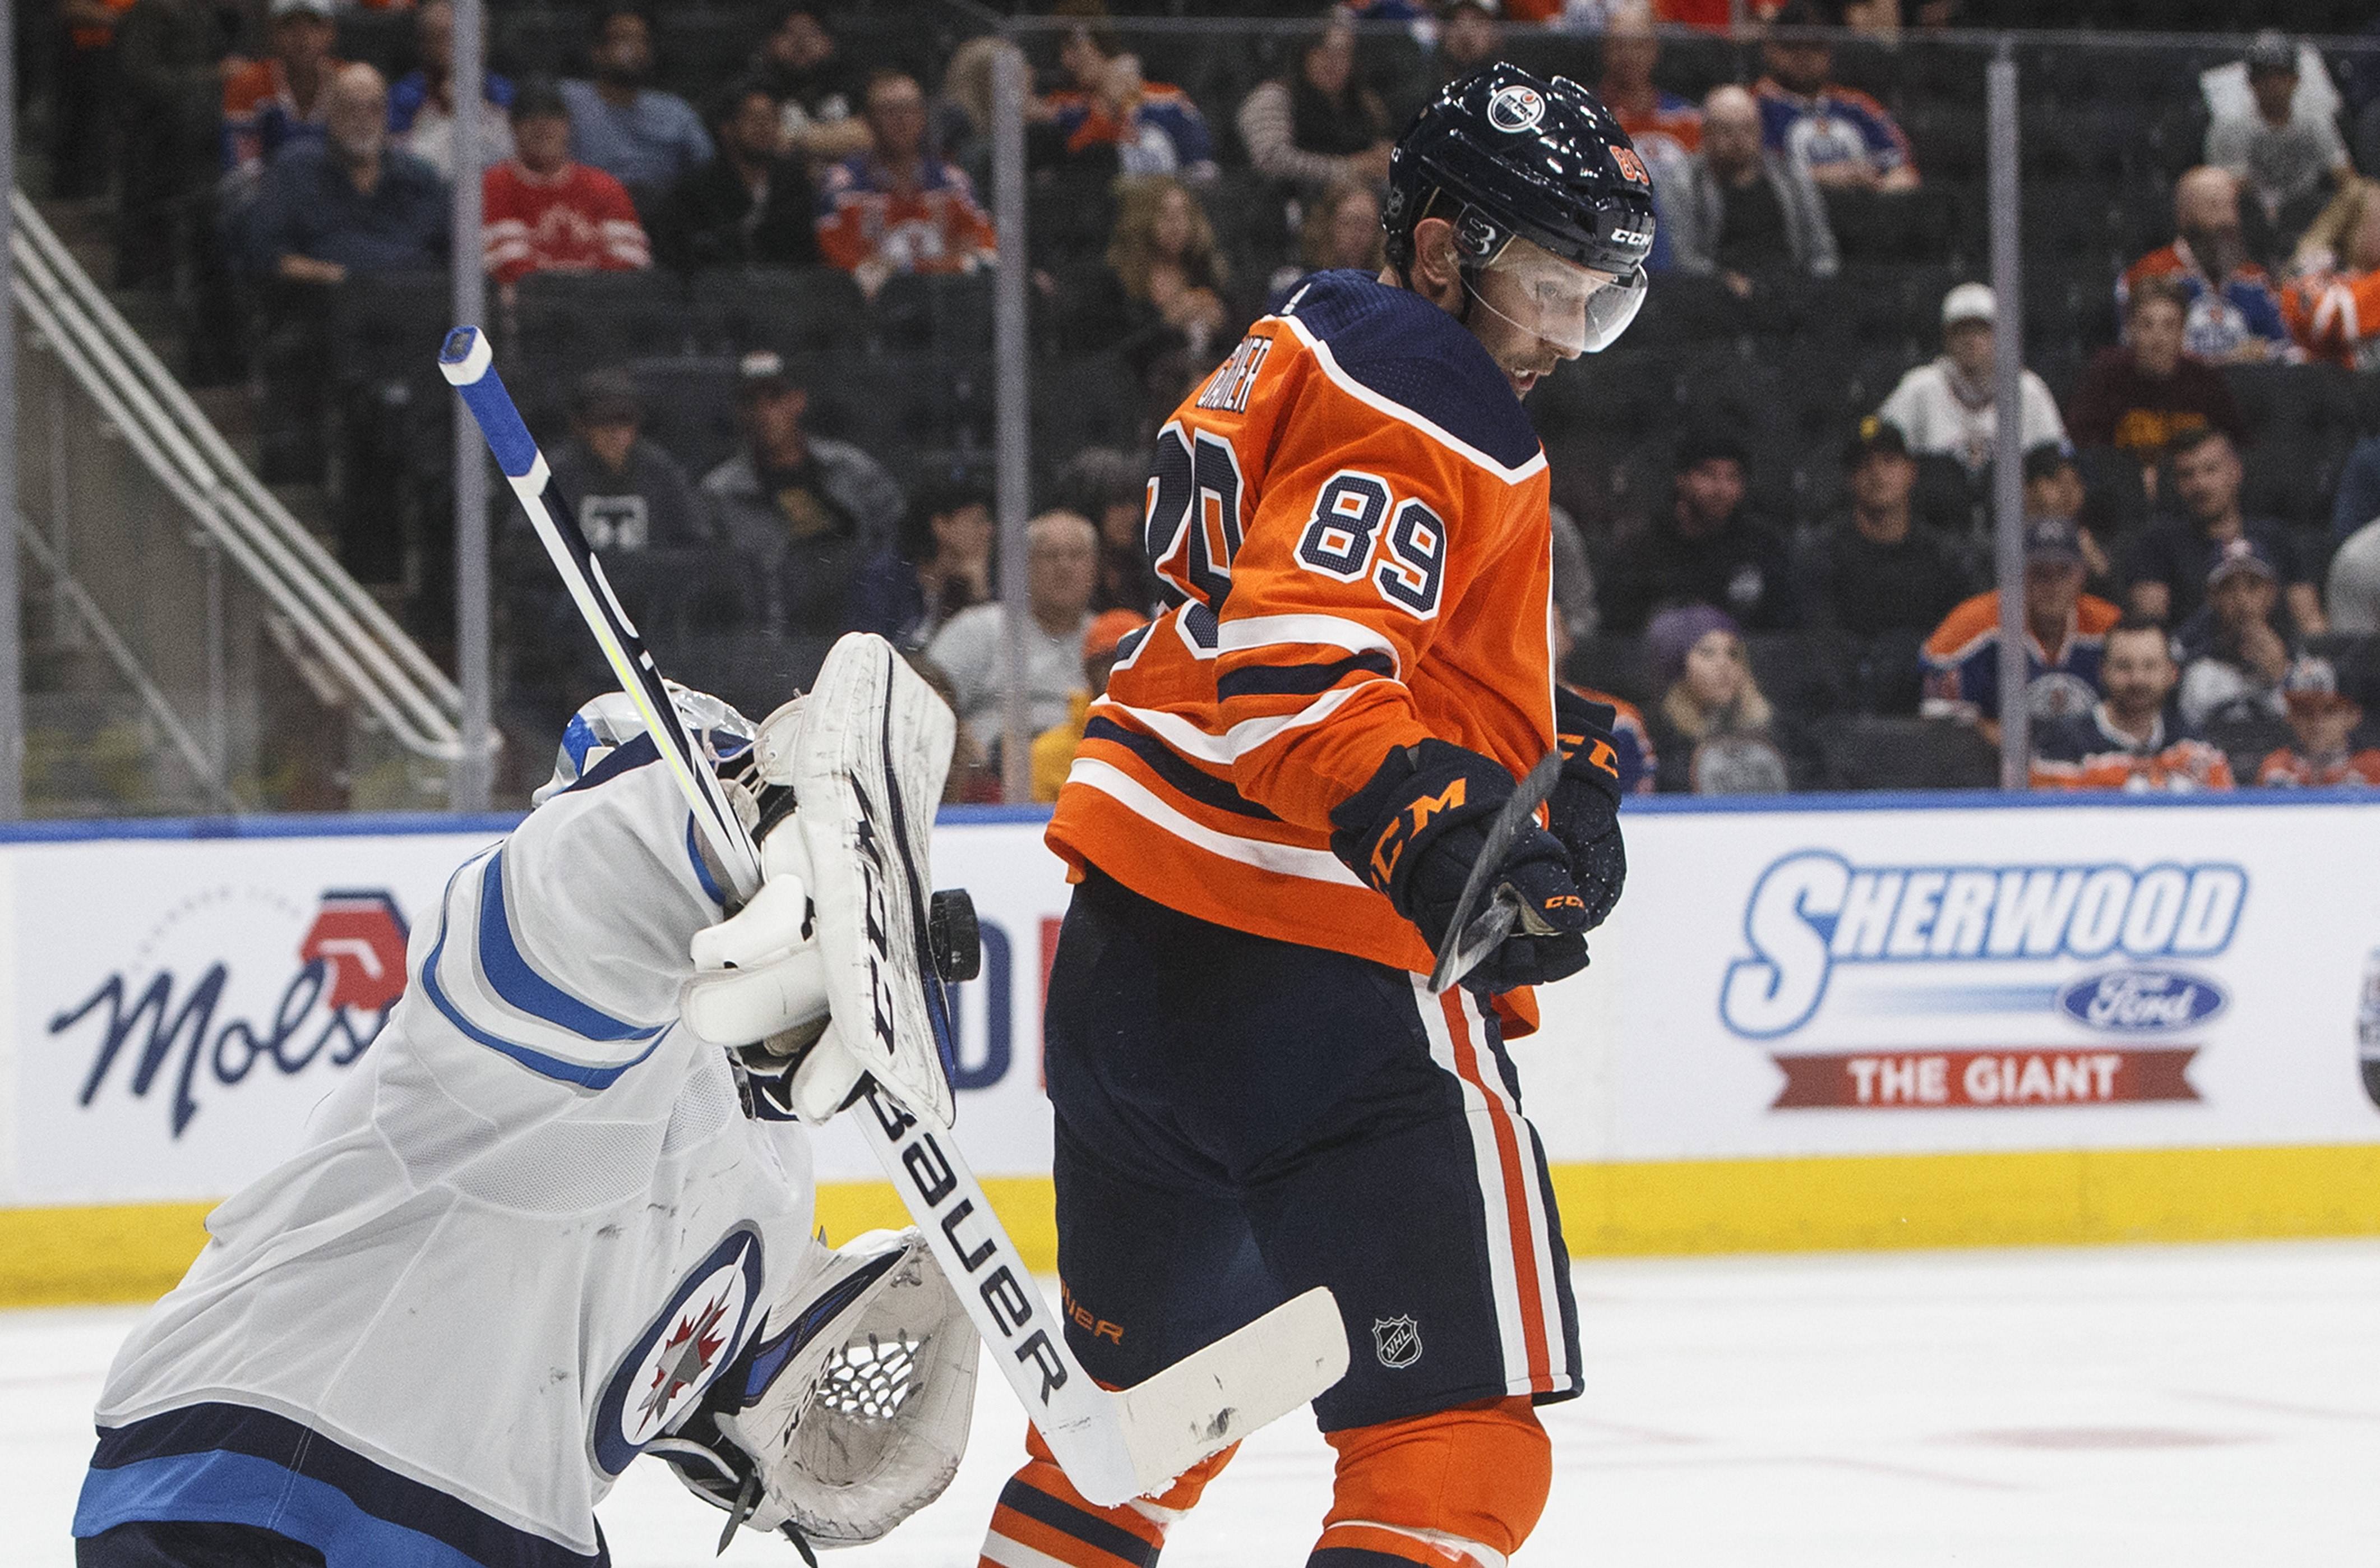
(1459, 1489)
(1042, 1521)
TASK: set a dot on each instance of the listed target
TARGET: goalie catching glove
(848, 1412)
(1414, 833)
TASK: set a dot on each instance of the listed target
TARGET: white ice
(2172, 1407)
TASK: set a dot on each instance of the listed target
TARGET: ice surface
(2170, 1405)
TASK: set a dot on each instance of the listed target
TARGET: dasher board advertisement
(1903, 977)
(2028, 978)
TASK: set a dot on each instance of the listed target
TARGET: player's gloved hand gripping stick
(1114, 1446)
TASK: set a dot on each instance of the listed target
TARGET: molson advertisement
(2023, 976)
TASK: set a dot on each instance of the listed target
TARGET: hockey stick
(1113, 1445)
(1469, 939)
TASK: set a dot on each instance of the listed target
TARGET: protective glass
(1575, 308)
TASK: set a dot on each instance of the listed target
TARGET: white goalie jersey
(520, 1242)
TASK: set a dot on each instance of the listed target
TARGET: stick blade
(1213, 1398)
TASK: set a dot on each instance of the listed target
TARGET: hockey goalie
(561, 1214)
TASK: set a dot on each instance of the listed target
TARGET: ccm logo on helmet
(1516, 108)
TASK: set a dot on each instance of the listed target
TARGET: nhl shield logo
(1397, 1341)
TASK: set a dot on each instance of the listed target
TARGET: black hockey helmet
(1503, 153)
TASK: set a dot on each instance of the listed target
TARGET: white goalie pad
(850, 1411)
(867, 756)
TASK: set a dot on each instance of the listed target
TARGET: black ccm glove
(1585, 806)
(1415, 829)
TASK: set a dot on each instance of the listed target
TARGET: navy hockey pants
(1240, 1119)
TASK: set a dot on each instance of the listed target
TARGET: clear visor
(1576, 309)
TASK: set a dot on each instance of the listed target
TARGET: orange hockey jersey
(1350, 516)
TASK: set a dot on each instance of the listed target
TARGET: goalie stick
(1114, 1445)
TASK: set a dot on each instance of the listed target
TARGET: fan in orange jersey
(1270, 820)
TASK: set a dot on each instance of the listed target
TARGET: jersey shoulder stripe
(1410, 360)
(517, 983)
(1966, 628)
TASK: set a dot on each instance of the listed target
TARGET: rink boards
(1838, 1022)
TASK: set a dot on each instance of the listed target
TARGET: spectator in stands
(2287, 160)
(421, 104)
(939, 565)
(1157, 300)
(630, 494)
(1111, 487)
(2126, 741)
(1737, 210)
(644, 138)
(1714, 731)
(1320, 124)
(1878, 570)
(2236, 656)
(172, 68)
(1055, 749)
(1707, 550)
(2323, 753)
(1664, 127)
(2054, 487)
(817, 88)
(964, 126)
(1844, 139)
(2234, 314)
(805, 512)
(2354, 604)
(1153, 127)
(893, 209)
(1949, 405)
(544, 213)
(2165, 568)
(1341, 229)
(2065, 630)
(2138, 395)
(349, 202)
(82, 97)
(2332, 304)
(282, 98)
(1062, 566)
(1469, 36)
(750, 206)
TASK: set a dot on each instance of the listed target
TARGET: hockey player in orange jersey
(1270, 820)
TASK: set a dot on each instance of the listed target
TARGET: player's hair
(1132, 245)
(2158, 286)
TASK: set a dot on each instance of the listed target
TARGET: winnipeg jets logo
(686, 1359)
(1397, 1341)
(1516, 108)
(680, 1353)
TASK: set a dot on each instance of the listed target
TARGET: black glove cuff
(1417, 794)
(1590, 753)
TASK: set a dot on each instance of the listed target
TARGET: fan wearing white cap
(1945, 407)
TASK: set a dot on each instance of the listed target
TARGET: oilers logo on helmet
(1516, 108)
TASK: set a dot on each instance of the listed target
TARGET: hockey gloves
(1415, 829)
(1585, 806)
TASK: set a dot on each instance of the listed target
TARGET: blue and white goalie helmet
(610, 722)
